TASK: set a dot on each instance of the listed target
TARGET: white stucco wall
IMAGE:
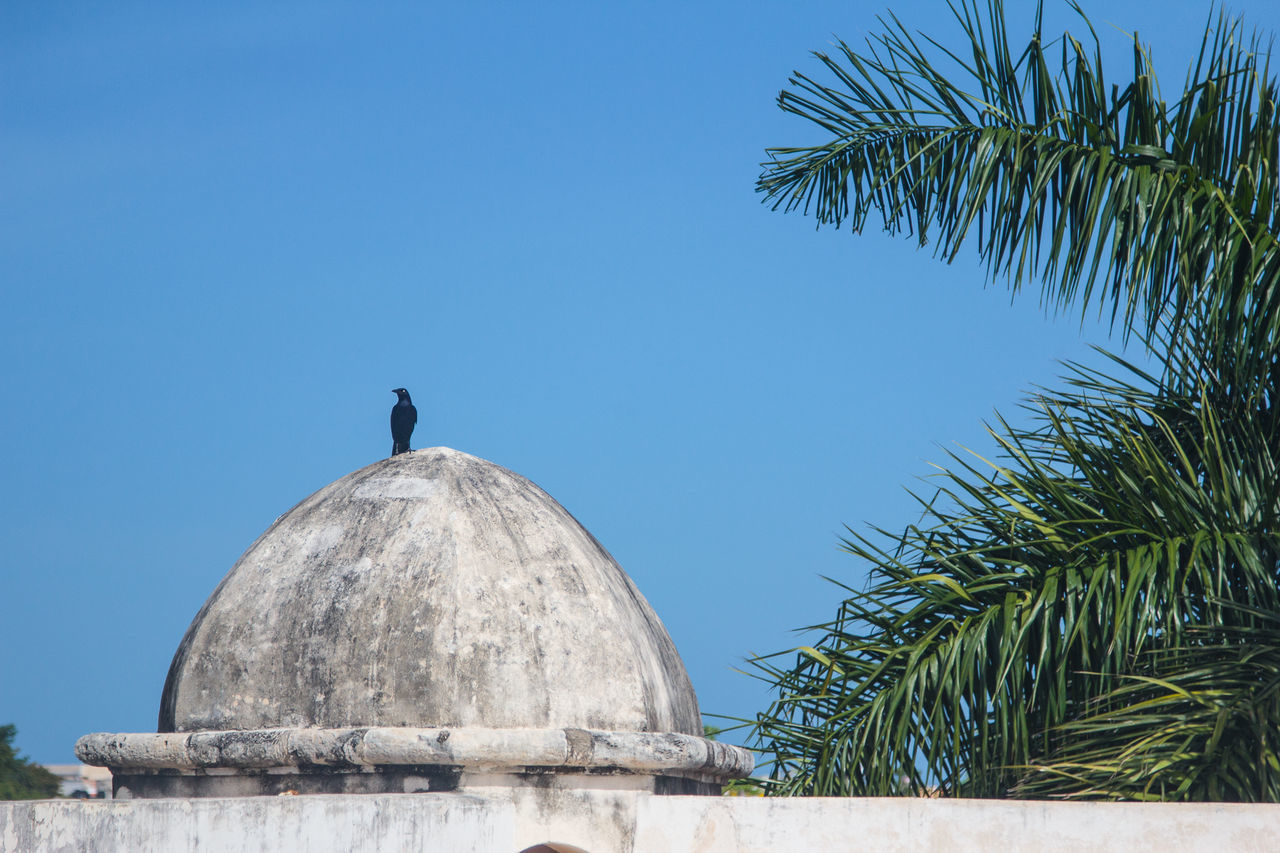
(619, 821)
(317, 824)
(753, 825)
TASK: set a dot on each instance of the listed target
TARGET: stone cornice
(509, 750)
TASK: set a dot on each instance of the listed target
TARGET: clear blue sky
(229, 229)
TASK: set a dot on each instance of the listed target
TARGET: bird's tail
(398, 447)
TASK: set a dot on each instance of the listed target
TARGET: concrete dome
(429, 589)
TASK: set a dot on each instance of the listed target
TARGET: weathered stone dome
(431, 589)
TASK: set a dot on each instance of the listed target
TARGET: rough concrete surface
(496, 749)
(432, 589)
(757, 825)
(603, 820)
(387, 824)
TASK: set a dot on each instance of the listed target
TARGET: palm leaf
(1197, 722)
(1114, 199)
(1134, 513)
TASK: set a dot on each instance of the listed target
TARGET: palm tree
(1096, 612)
(1107, 194)
(1046, 627)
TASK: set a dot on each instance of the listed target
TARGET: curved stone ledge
(469, 748)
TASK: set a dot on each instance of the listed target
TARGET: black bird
(403, 417)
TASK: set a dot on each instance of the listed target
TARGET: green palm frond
(1135, 512)
(1110, 196)
(1196, 722)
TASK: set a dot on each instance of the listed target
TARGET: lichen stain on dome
(430, 589)
(383, 488)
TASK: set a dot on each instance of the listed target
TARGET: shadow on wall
(553, 847)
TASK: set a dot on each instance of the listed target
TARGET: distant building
(82, 780)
